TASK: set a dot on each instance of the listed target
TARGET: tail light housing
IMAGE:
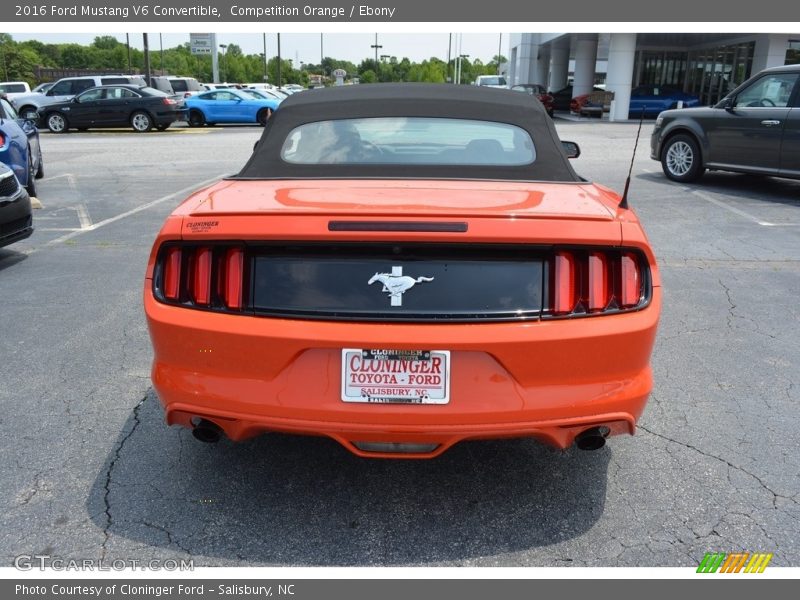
(594, 281)
(201, 276)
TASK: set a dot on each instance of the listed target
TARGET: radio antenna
(624, 202)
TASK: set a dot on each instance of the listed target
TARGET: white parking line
(83, 216)
(138, 209)
(733, 209)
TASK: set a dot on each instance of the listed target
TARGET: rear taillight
(202, 276)
(172, 273)
(2, 140)
(595, 281)
(168, 101)
(234, 264)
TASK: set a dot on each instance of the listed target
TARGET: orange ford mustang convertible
(400, 268)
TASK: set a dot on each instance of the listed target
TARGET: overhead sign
(200, 43)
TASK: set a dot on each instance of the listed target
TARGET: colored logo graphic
(719, 562)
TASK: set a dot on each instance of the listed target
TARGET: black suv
(754, 129)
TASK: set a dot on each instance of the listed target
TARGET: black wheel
(28, 112)
(681, 160)
(162, 127)
(57, 122)
(263, 116)
(141, 122)
(31, 185)
(196, 119)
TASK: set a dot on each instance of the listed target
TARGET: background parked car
(19, 147)
(43, 87)
(67, 88)
(534, 89)
(228, 106)
(113, 106)
(754, 129)
(14, 89)
(592, 104)
(492, 81)
(265, 94)
(16, 219)
(656, 98)
(563, 97)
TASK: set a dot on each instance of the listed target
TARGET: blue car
(228, 106)
(657, 98)
(19, 147)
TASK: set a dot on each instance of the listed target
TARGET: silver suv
(65, 89)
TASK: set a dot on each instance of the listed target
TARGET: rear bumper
(16, 222)
(549, 380)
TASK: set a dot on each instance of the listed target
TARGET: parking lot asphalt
(91, 470)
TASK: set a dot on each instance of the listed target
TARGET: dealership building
(705, 65)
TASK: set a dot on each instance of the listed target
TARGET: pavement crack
(760, 481)
(107, 484)
(170, 538)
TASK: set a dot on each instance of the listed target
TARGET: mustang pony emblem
(395, 283)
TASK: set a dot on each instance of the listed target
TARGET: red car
(534, 89)
(402, 267)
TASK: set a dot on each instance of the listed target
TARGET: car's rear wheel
(28, 112)
(680, 159)
(196, 119)
(141, 122)
(263, 116)
(30, 186)
(57, 123)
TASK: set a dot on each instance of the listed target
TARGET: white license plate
(396, 377)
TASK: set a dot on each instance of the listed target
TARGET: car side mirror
(728, 104)
(571, 149)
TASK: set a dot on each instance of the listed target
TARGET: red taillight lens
(630, 290)
(595, 281)
(168, 101)
(172, 274)
(234, 267)
(201, 276)
(2, 140)
(600, 282)
(565, 288)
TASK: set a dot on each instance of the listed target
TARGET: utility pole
(279, 60)
(161, 44)
(376, 46)
(128, 44)
(499, 52)
(449, 45)
(222, 63)
(146, 44)
(321, 53)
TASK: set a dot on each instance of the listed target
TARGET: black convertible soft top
(410, 100)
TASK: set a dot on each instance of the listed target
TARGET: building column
(524, 51)
(559, 67)
(770, 51)
(585, 64)
(621, 54)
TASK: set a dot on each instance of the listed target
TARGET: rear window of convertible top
(409, 141)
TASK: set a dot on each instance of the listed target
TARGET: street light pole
(146, 44)
(265, 59)
(128, 44)
(161, 44)
(222, 62)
